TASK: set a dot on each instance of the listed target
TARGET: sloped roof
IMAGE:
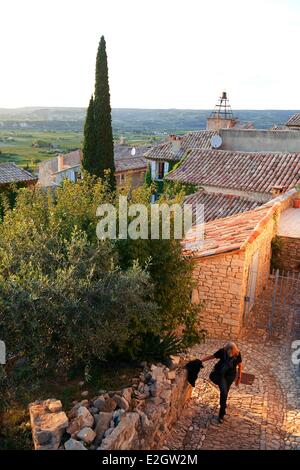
(130, 163)
(233, 234)
(73, 159)
(11, 173)
(294, 121)
(192, 140)
(218, 205)
(124, 150)
(246, 171)
(225, 235)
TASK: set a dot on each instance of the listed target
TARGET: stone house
(162, 157)
(289, 235)
(254, 175)
(234, 251)
(130, 165)
(54, 170)
(130, 171)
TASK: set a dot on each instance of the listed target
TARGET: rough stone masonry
(137, 417)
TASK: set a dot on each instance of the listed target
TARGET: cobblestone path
(263, 416)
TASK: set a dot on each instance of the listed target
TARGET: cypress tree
(98, 145)
(89, 161)
(102, 116)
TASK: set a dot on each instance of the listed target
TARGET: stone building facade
(289, 257)
(233, 264)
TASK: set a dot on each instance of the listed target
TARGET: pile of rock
(48, 423)
(93, 420)
(136, 417)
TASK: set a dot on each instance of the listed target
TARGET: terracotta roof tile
(246, 171)
(227, 235)
(294, 121)
(130, 163)
(124, 151)
(11, 173)
(217, 205)
(192, 140)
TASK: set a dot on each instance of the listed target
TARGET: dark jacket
(193, 368)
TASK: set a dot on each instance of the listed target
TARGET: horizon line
(145, 108)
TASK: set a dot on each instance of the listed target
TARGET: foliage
(89, 162)
(98, 147)
(62, 299)
(160, 349)
(172, 188)
(148, 178)
(276, 248)
(171, 274)
(8, 196)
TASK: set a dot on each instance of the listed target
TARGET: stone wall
(257, 140)
(219, 280)
(134, 178)
(289, 257)
(137, 417)
(222, 284)
(222, 279)
(262, 245)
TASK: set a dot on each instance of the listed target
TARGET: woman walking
(228, 369)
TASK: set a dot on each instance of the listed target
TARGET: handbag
(214, 377)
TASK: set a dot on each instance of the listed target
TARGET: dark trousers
(224, 384)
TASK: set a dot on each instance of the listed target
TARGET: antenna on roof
(222, 109)
(216, 141)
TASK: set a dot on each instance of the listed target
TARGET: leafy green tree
(171, 273)
(63, 300)
(68, 298)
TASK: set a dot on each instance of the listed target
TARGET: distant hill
(128, 120)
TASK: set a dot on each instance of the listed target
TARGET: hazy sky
(162, 53)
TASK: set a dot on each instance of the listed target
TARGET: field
(27, 148)
(30, 135)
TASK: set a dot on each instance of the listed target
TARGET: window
(160, 172)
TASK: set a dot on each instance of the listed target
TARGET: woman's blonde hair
(232, 347)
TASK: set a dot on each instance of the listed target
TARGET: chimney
(60, 162)
(176, 143)
(277, 190)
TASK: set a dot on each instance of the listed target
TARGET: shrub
(63, 301)
(171, 274)
(276, 248)
(66, 307)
